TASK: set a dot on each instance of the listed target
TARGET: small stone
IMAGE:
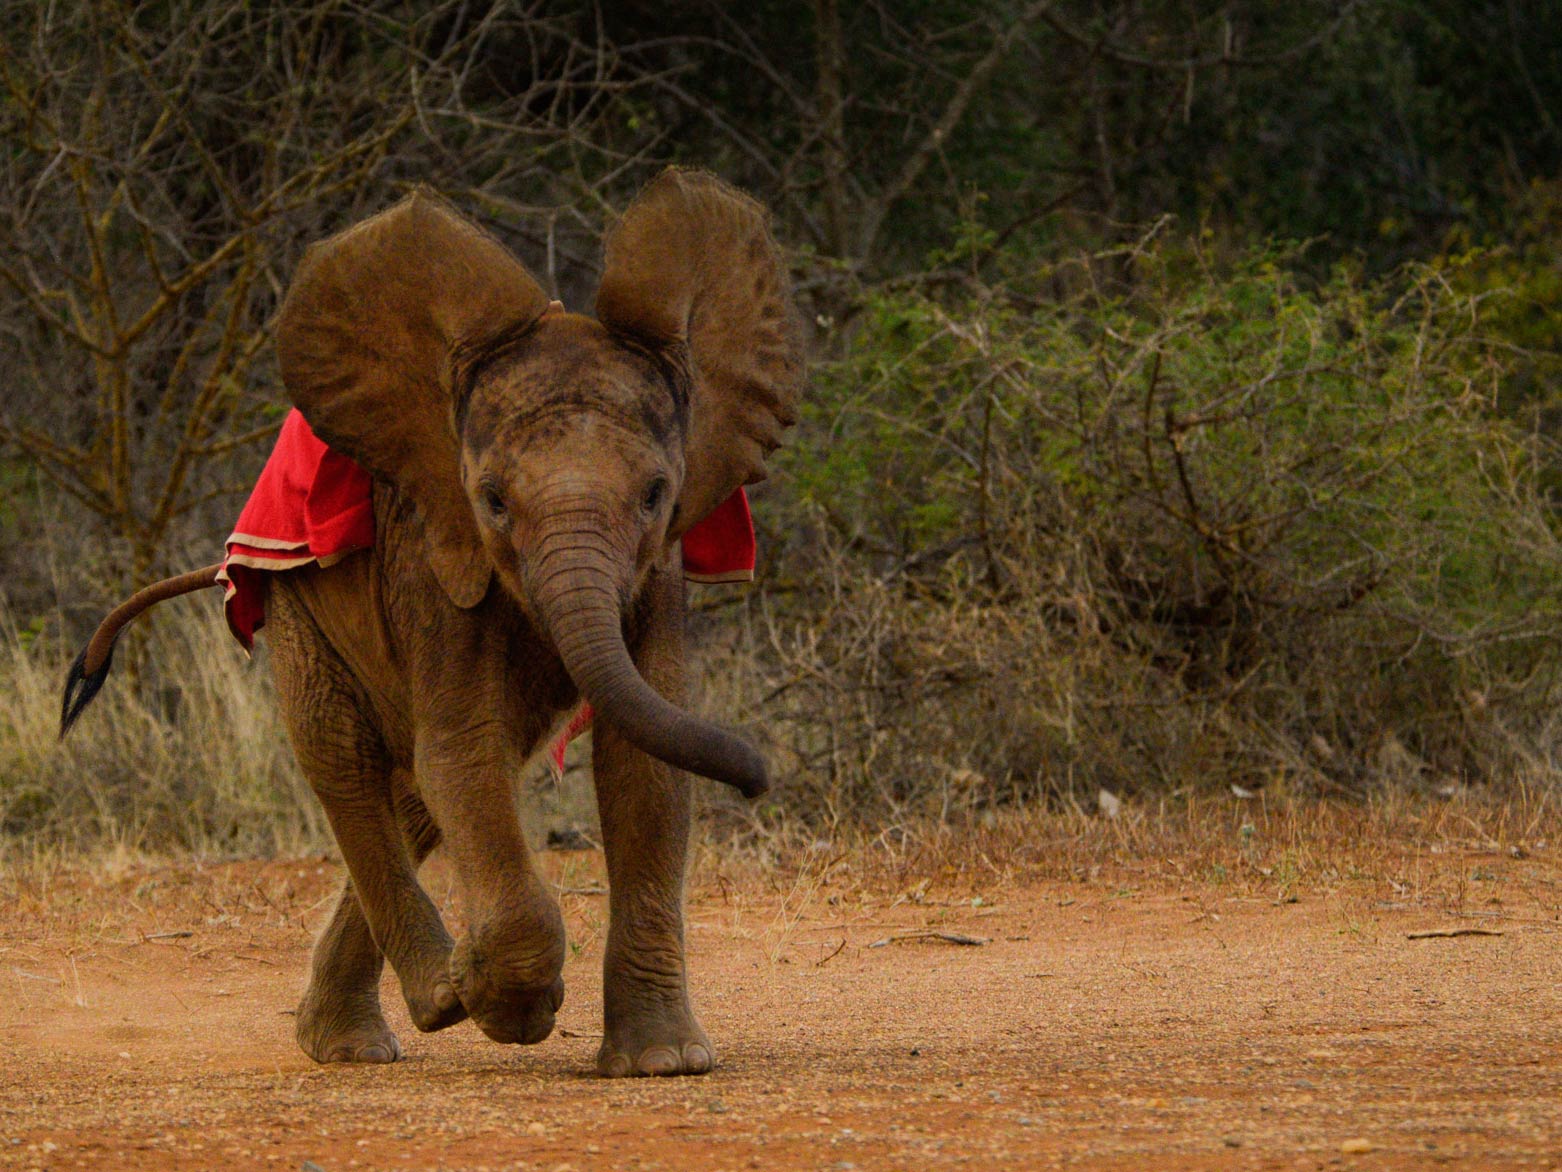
(569, 838)
(536, 1129)
(1358, 1147)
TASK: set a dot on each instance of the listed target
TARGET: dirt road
(1103, 1024)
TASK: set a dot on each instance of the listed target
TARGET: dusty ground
(1108, 1022)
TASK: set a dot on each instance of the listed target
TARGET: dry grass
(136, 781)
(1396, 847)
(184, 750)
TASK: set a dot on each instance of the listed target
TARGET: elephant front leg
(508, 967)
(649, 1027)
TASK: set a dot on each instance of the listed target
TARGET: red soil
(146, 1026)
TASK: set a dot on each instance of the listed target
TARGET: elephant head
(561, 454)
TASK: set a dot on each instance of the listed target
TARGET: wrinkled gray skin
(534, 565)
(384, 681)
(534, 472)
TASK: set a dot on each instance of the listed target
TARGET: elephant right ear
(369, 340)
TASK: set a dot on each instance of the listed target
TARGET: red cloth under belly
(312, 505)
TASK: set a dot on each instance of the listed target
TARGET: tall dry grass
(189, 756)
(184, 749)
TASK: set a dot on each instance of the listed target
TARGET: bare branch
(954, 110)
(1102, 47)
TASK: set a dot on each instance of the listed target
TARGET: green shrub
(1145, 520)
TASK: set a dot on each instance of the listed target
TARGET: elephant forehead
(565, 380)
(539, 418)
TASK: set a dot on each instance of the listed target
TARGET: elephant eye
(493, 502)
(654, 495)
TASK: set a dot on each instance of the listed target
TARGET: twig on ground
(1443, 932)
(931, 934)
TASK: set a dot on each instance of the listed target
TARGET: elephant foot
(665, 1044)
(350, 1030)
(509, 1003)
(432, 1000)
(435, 1008)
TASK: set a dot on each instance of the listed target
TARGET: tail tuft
(80, 688)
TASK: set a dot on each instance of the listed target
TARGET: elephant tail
(92, 665)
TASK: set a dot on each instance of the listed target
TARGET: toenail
(445, 997)
(618, 1066)
(374, 1053)
(659, 1060)
(696, 1059)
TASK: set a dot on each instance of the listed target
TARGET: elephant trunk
(577, 596)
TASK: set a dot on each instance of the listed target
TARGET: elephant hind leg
(426, 983)
(383, 911)
(339, 1018)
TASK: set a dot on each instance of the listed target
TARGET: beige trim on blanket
(255, 563)
(259, 563)
(715, 579)
(263, 542)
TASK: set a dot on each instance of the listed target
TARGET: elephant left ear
(692, 267)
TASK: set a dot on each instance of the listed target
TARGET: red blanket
(312, 505)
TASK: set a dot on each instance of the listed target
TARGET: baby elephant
(533, 474)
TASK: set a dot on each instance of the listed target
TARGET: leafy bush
(1149, 520)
